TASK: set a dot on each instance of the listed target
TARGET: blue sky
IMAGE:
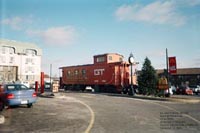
(70, 32)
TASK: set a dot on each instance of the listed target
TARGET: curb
(184, 100)
(46, 95)
(172, 99)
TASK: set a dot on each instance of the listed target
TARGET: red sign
(172, 65)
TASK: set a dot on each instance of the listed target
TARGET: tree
(147, 79)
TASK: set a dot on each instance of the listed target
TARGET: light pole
(131, 61)
(167, 65)
(50, 77)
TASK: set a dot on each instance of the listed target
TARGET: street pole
(132, 79)
(131, 61)
(167, 63)
(50, 77)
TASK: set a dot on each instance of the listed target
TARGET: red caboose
(109, 73)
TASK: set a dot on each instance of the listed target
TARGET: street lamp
(131, 61)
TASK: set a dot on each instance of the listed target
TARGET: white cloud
(56, 35)
(17, 23)
(14, 23)
(156, 13)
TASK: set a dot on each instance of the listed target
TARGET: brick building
(184, 76)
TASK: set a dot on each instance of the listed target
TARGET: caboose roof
(76, 66)
(108, 54)
(116, 63)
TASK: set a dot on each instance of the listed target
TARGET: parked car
(17, 94)
(197, 90)
(184, 90)
(172, 90)
(26, 83)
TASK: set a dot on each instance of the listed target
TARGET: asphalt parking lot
(60, 114)
(74, 112)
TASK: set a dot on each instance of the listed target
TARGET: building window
(31, 77)
(29, 69)
(3, 59)
(26, 77)
(10, 77)
(11, 60)
(3, 50)
(29, 61)
(11, 50)
(100, 59)
(9, 68)
(30, 52)
(1, 77)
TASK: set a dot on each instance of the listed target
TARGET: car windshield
(16, 87)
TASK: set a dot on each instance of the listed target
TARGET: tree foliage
(147, 79)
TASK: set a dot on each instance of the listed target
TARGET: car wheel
(29, 105)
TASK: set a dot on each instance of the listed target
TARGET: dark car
(2, 97)
(195, 88)
(17, 94)
(184, 90)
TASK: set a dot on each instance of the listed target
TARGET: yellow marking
(89, 108)
(92, 117)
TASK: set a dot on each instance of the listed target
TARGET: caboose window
(109, 57)
(83, 72)
(76, 72)
(68, 73)
(120, 59)
(100, 59)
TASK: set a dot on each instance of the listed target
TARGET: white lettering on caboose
(98, 72)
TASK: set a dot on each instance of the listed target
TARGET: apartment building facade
(19, 61)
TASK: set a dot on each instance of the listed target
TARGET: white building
(19, 61)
